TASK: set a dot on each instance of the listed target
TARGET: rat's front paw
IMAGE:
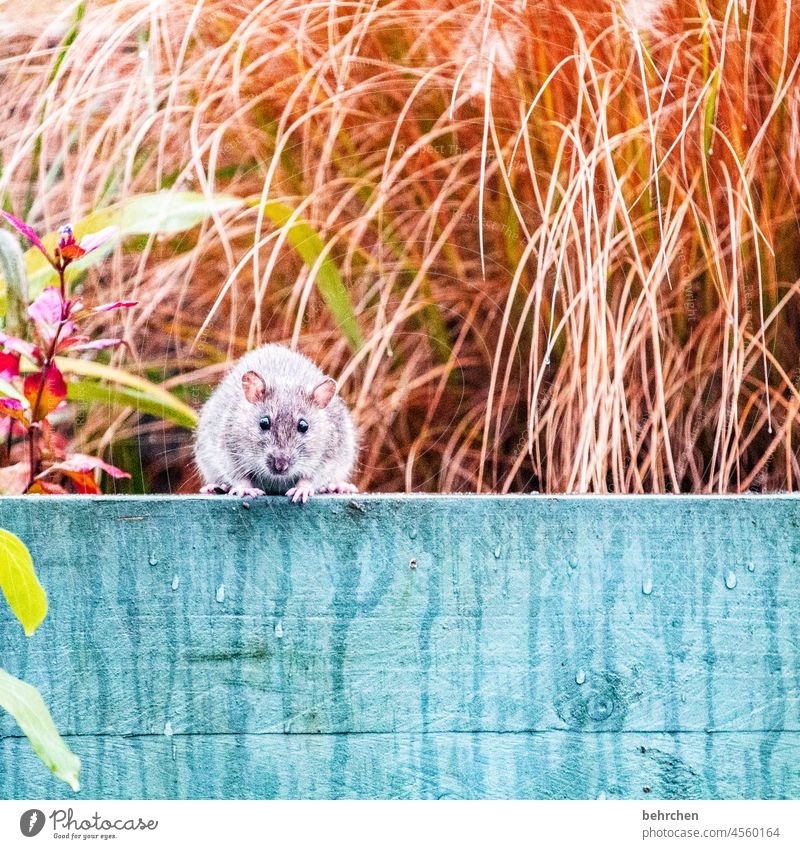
(342, 487)
(246, 491)
(215, 489)
(302, 492)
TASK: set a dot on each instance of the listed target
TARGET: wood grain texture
(332, 665)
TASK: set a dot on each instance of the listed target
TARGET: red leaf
(85, 484)
(28, 232)
(54, 443)
(70, 252)
(64, 343)
(50, 392)
(20, 346)
(9, 366)
(14, 409)
(46, 488)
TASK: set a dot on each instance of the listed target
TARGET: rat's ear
(255, 389)
(323, 393)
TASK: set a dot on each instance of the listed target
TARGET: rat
(276, 425)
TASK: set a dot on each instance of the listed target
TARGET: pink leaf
(82, 463)
(116, 305)
(92, 241)
(28, 232)
(9, 366)
(20, 346)
(46, 312)
(13, 479)
(47, 307)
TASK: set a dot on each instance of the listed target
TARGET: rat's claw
(246, 491)
(342, 487)
(302, 492)
(215, 489)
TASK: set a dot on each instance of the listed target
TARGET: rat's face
(287, 427)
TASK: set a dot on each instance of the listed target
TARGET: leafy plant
(28, 403)
(28, 601)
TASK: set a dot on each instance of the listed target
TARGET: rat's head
(288, 427)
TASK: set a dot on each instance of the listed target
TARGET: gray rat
(276, 425)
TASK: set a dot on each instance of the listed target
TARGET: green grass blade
(158, 213)
(12, 268)
(309, 246)
(95, 391)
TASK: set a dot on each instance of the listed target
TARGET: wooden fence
(413, 646)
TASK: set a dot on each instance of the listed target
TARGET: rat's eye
(302, 425)
(265, 423)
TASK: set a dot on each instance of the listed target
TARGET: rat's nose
(279, 465)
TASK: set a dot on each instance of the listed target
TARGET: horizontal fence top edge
(399, 498)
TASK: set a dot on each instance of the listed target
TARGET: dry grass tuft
(571, 244)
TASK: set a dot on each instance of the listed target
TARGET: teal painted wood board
(413, 646)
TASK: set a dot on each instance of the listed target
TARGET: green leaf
(19, 583)
(309, 246)
(710, 114)
(25, 704)
(143, 402)
(127, 389)
(159, 213)
(119, 387)
(12, 267)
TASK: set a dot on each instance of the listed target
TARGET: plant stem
(32, 459)
(46, 365)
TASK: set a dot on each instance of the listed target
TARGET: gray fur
(231, 450)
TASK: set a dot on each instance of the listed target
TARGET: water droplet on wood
(580, 677)
(730, 580)
(647, 586)
(221, 593)
(176, 582)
